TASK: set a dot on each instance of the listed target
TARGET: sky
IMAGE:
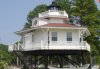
(13, 14)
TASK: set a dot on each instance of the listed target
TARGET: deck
(43, 45)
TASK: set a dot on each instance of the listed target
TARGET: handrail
(15, 47)
(88, 46)
(53, 45)
(18, 47)
(46, 13)
(21, 48)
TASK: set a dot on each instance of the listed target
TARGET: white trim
(61, 45)
(39, 27)
(63, 27)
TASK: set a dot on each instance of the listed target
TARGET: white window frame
(54, 36)
(69, 37)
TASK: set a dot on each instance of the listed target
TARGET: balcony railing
(61, 45)
(53, 13)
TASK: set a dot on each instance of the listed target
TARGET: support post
(31, 59)
(90, 57)
(35, 61)
(82, 58)
(46, 63)
(61, 61)
(17, 61)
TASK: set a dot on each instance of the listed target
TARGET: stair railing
(18, 47)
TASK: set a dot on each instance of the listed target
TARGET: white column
(18, 45)
(17, 61)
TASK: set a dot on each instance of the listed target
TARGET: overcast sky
(13, 15)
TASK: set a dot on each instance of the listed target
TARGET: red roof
(58, 25)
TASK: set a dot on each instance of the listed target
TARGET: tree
(87, 10)
(65, 5)
(5, 55)
(34, 13)
(3, 65)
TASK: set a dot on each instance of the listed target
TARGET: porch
(53, 45)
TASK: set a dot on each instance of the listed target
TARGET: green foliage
(87, 10)
(65, 5)
(92, 40)
(98, 59)
(34, 13)
(5, 55)
(3, 65)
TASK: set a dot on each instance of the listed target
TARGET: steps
(23, 60)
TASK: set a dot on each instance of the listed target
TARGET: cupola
(53, 6)
(54, 11)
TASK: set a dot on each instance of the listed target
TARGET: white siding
(55, 21)
(41, 40)
(28, 40)
(43, 21)
(61, 34)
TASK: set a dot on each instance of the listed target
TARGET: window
(54, 36)
(69, 36)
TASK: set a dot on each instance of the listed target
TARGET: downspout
(48, 38)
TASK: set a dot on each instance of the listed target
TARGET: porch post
(17, 61)
(82, 58)
(35, 60)
(18, 45)
(48, 38)
(61, 61)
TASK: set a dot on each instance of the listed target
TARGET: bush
(3, 65)
(98, 59)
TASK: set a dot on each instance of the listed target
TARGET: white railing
(67, 43)
(17, 46)
(74, 45)
(88, 46)
(53, 13)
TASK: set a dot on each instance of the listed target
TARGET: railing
(72, 45)
(16, 47)
(67, 43)
(88, 46)
(52, 12)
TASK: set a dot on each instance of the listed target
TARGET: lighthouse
(51, 39)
